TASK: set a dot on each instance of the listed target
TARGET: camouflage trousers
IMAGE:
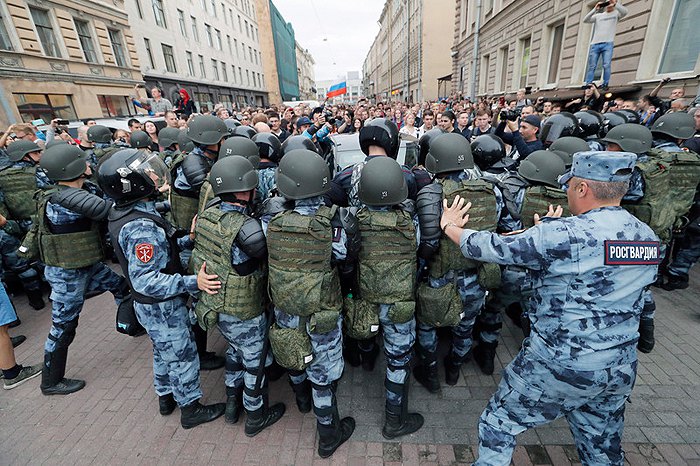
(175, 360)
(398, 348)
(326, 368)
(534, 392)
(511, 291)
(13, 263)
(473, 296)
(649, 309)
(68, 289)
(245, 339)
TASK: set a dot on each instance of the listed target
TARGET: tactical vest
(18, 183)
(240, 296)
(300, 247)
(537, 201)
(483, 216)
(184, 205)
(685, 173)
(656, 207)
(387, 259)
(69, 246)
(105, 152)
(206, 194)
(117, 219)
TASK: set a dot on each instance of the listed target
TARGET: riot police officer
(569, 145)
(147, 248)
(270, 155)
(103, 146)
(557, 126)
(141, 140)
(232, 244)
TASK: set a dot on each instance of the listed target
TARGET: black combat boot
(36, 299)
(274, 371)
(196, 413)
(234, 404)
(302, 392)
(675, 282)
(208, 360)
(646, 335)
(351, 352)
(330, 437)
(452, 367)
(166, 404)
(262, 417)
(484, 355)
(426, 372)
(52, 380)
(368, 354)
(398, 420)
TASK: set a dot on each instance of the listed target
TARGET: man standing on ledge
(590, 270)
(604, 17)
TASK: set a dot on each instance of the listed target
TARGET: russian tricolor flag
(337, 89)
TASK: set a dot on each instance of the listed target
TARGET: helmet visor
(152, 168)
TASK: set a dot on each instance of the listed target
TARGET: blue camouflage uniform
(175, 361)
(10, 261)
(328, 364)
(580, 361)
(180, 178)
(266, 175)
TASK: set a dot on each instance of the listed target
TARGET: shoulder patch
(632, 252)
(144, 252)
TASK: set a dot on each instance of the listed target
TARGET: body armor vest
(685, 173)
(69, 246)
(105, 152)
(18, 183)
(537, 201)
(206, 194)
(240, 296)
(483, 216)
(387, 259)
(655, 208)
(300, 247)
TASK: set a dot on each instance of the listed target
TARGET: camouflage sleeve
(146, 249)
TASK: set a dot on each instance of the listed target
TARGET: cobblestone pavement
(114, 420)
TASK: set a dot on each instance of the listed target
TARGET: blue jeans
(604, 49)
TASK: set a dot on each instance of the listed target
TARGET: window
(557, 37)
(223, 12)
(5, 41)
(256, 57)
(224, 72)
(228, 42)
(524, 62)
(240, 75)
(215, 67)
(117, 47)
(195, 34)
(169, 58)
(484, 75)
(86, 42)
(149, 52)
(218, 40)
(190, 63)
(213, 8)
(233, 73)
(230, 15)
(210, 40)
(250, 53)
(247, 75)
(203, 4)
(247, 32)
(235, 46)
(503, 57)
(115, 106)
(45, 106)
(181, 20)
(680, 53)
(202, 70)
(44, 28)
(159, 13)
(240, 25)
(138, 8)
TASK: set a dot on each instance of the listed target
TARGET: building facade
(409, 54)
(65, 59)
(305, 70)
(267, 46)
(211, 48)
(353, 81)
(543, 46)
(285, 55)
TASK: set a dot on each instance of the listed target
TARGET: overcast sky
(338, 34)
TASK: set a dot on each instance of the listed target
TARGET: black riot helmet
(298, 142)
(382, 182)
(302, 174)
(559, 125)
(542, 167)
(630, 116)
(380, 132)
(424, 143)
(234, 174)
(612, 119)
(18, 149)
(244, 131)
(63, 162)
(240, 146)
(99, 133)
(207, 130)
(269, 145)
(449, 152)
(589, 123)
(140, 140)
(168, 136)
(487, 149)
(130, 175)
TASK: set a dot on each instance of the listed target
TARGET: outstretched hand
(551, 212)
(456, 213)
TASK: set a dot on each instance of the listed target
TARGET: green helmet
(207, 130)
(382, 182)
(18, 149)
(542, 167)
(234, 174)
(54, 142)
(168, 136)
(64, 162)
(631, 137)
(99, 133)
(302, 174)
(185, 143)
(240, 146)
(567, 158)
(449, 152)
(140, 140)
(570, 145)
(678, 125)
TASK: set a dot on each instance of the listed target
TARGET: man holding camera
(523, 133)
(604, 18)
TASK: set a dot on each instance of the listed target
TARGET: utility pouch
(323, 321)
(402, 311)
(291, 347)
(439, 307)
(489, 276)
(361, 318)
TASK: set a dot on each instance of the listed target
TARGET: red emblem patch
(144, 252)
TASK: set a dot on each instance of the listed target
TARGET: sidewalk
(115, 419)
